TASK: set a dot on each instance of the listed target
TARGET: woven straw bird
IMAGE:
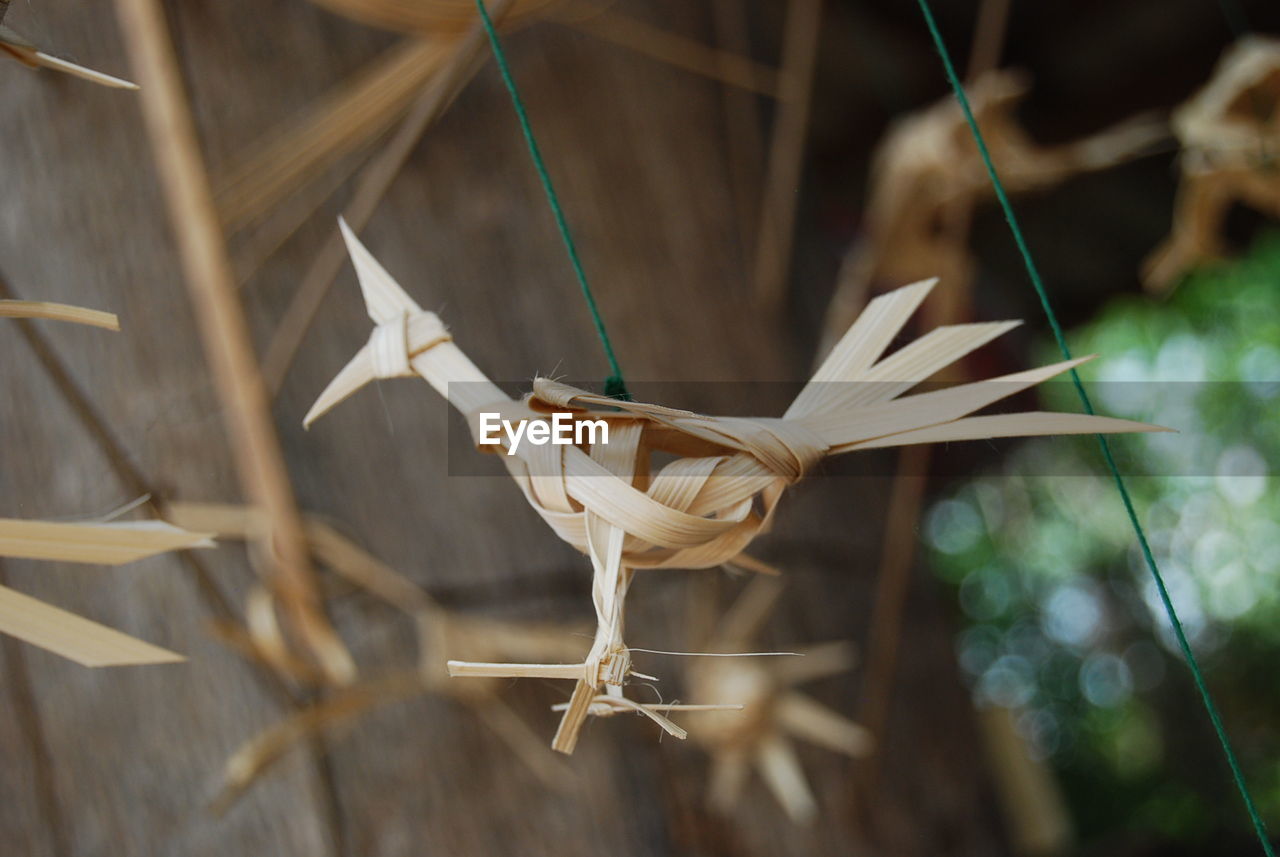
(705, 507)
(1230, 136)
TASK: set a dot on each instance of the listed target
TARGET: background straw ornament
(927, 177)
(704, 508)
(1230, 136)
(439, 632)
(774, 713)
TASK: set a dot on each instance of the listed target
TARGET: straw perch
(704, 508)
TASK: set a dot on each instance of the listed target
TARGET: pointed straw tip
(319, 409)
(156, 657)
(348, 235)
(921, 286)
(204, 540)
(339, 389)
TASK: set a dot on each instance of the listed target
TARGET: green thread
(614, 386)
(1205, 696)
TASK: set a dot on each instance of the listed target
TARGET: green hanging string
(1034, 273)
(614, 386)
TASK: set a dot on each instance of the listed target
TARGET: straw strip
(356, 113)
(428, 16)
(105, 544)
(226, 336)
(774, 238)
(29, 55)
(74, 637)
(59, 312)
(371, 186)
(680, 52)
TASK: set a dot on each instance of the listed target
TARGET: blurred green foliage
(1062, 621)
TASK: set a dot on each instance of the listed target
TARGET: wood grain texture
(638, 154)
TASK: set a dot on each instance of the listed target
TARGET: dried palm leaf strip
(59, 312)
(29, 55)
(111, 543)
(744, 127)
(335, 550)
(704, 508)
(67, 634)
(679, 51)
(371, 186)
(429, 16)
(74, 637)
(786, 150)
(342, 122)
(224, 328)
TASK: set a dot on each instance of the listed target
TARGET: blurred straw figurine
(774, 711)
(97, 542)
(1230, 137)
(440, 632)
(29, 55)
(702, 509)
(926, 178)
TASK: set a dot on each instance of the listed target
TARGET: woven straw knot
(784, 447)
(610, 668)
(395, 342)
(389, 345)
